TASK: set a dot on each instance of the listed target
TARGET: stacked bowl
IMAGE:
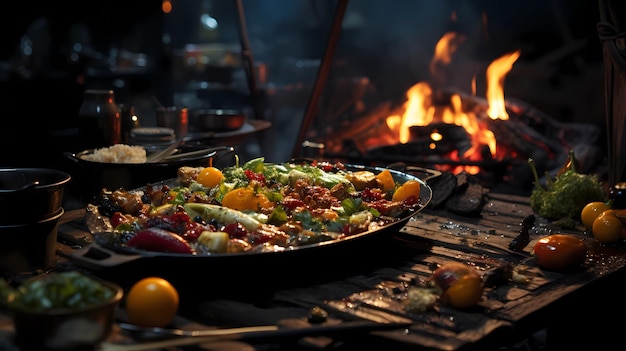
(31, 202)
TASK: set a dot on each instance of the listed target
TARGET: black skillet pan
(106, 255)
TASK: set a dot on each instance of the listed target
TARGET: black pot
(95, 176)
(216, 120)
(29, 195)
(29, 247)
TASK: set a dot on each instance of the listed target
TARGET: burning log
(536, 135)
(528, 133)
(361, 131)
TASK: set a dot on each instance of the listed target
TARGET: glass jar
(99, 122)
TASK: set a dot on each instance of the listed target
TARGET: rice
(118, 153)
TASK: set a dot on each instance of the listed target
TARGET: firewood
(469, 198)
(442, 188)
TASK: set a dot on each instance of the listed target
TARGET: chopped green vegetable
(309, 222)
(562, 199)
(70, 289)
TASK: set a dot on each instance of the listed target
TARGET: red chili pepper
(160, 240)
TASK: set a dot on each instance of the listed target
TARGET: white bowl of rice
(118, 153)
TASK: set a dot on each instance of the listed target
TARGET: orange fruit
(620, 213)
(461, 285)
(591, 211)
(607, 228)
(210, 177)
(465, 293)
(152, 302)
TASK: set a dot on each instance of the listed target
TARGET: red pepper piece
(194, 229)
(119, 218)
(235, 230)
(259, 177)
(160, 240)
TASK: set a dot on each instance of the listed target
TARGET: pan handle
(96, 257)
(71, 156)
(429, 174)
(426, 174)
(208, 152)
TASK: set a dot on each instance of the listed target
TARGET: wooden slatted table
(558, 301)
(567, 309)
(559, 310)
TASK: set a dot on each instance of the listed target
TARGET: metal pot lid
(152, 135)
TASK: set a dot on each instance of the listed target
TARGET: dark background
(389, 42)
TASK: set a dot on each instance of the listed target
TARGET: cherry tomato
(591, 211)
(245, 199)
(152, 302)
(461, 285)
(560, 251)
(607, 228)
(210, 177)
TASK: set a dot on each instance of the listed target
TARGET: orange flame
(444, 50)
(496, 72)
(419, 109)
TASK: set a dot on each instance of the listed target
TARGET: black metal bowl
(216, 120)
(29, 195)
(65, 328)
(29, 247)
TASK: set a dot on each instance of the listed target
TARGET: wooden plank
(482, 241)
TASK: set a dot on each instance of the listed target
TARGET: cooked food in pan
(258, 207)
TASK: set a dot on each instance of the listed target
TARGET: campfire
(456, 131)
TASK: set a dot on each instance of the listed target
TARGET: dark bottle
(99, 122)
(617, 194)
